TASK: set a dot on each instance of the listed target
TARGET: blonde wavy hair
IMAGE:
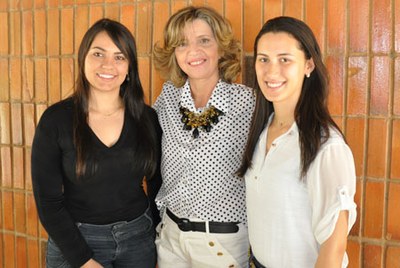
(230, 49)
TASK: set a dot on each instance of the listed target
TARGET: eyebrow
(280, 54)
(102, 49)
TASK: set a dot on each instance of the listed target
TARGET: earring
(308, 75)
(127, 77)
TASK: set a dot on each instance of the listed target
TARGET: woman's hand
(92, 264)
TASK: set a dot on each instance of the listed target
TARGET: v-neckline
(102, 144)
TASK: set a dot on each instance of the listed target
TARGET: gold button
(211, 243)
(220, 254)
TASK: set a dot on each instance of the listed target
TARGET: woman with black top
(90, 155)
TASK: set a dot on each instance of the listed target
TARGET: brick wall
(360, 40)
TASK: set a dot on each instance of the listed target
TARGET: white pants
(177, 249)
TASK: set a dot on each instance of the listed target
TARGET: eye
(97, 54)
(204, 41)
(284, 60)
(263, 59)
(120, 58)
(182, 43)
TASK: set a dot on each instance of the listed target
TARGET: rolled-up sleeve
(332, 183)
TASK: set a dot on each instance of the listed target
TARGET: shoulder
(58, 112)
(242, 97)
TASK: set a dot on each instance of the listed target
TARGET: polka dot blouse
(199, 178)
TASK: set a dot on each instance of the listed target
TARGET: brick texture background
(360, 40)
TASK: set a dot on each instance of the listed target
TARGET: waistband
(185, 225)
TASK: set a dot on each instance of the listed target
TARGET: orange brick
(81, 25)
(177, 5)
(4, 27)
(294, 9)
(82, 2)
(393, 257)
(377, 143)
(27, 79)
(53, 27)
(53, 3)
(355, 135)
(96, 1)
(67, 78)
(397, 27)
(9, 249)
(335, 65)
(314, 18)
(336, 25)
(380, 79)
(234, 13)
(16, 123)
(393, 221)
(15, 79)
(218, 5)
(357, 85)
(355, 230)
(40, 4)
(252, 24)
(54, 80)
(5, 135)
(33, 253)
(144, 74)
(6, 178)
(143, 25)
(1, 225)
(19, 212)
(4, 81)
(40, 108)
(40, 33)
(21, 249)
(395, 167)
(28, 178)
(381, 25)
(40, 80)
(3, 7)
(353, 252)
(358, 26)
(8, 211)
(374, 202)
(372, 256)
(18, 168)
(112, 11)
(396, 77)
(67, 2)
(67, 31)
(272, 9)
(31, 216)
(128, 17)
(29, 123)
(157, 83)
(26, 4)
(160, 9)
(15, 27)
(95, 13)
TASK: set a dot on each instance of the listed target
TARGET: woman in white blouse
(299, 171)
(205, 120)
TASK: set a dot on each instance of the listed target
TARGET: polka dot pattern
(198, 173)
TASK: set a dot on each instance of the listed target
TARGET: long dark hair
(311, 113)
(131, 93)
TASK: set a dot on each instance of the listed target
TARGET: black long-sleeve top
(113, 193)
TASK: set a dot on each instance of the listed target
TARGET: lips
(197, 62)
(106, 76)
(275, 85)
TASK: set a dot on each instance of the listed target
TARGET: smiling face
(281, 67)
(106, 67)
(198, 53)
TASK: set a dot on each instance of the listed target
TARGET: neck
(202, 90)
(283, 116)
(105, 104)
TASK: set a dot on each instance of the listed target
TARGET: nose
(272, 69)
(108, 62)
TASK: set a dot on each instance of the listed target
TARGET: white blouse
(198, 174)
(288, 219)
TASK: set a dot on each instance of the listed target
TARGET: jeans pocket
(54, 257)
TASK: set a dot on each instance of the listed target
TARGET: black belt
(186, 225)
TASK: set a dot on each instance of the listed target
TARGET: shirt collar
(219, 98)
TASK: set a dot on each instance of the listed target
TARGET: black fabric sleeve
(154, 183)
(47, 180)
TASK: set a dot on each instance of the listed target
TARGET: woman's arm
(332, 250)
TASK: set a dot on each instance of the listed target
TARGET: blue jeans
(118, 245)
